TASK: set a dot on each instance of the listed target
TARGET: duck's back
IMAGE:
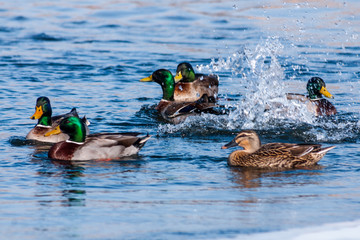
(193, 91)
(277, 155)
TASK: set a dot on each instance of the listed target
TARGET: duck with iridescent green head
(171, 110)
(315, 102)
(47, 123)
(191, 86)
(98, 146)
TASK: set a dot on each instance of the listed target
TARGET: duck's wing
(112, 139)
(109, 146)
(202, 79)
(178, 109)
(295, 150)
(57, 119)
(296, 96)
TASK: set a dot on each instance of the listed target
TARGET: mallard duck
(98, 146)
(315, 102)
(170, 110)
(46, 123)
(272, 155)
(191, 86)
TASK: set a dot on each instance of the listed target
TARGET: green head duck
(72, 126)
(166, 81)
(185, 73)
(43, 111)
(316, 87)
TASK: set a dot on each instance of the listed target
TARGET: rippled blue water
(91, 55)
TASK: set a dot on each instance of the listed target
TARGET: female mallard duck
(272, 155)
(99, 146)
(191, 87)
(46, 123)
(315, 102)
(170, 110)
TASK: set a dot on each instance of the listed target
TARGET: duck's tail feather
(85, 121)
(141, 141)
(325, 150)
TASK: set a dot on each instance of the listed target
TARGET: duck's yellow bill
(147, 79)
(325, 92)
(53, 132)
(38, 113)
(178, 77)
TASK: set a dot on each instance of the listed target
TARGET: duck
(176, 111)
(272, 155)
(97, 146)
(46, 123)
(191, 86)
(315, 102)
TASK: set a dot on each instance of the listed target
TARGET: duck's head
(247, 139)
(43, 111)
(72, 126)
(184, 72)
(316, 87)
(166, 81)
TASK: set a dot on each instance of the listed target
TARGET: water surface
(91, 55)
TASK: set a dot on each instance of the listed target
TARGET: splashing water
(262, 105)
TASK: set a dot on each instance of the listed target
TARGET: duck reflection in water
(253, 177)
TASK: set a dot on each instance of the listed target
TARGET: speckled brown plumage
(272, 155)
(193, 91)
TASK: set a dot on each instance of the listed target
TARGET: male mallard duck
(46, 123)
(98, 146)
(191, 87)
(272, 155)
(170, 110)
(315, 102)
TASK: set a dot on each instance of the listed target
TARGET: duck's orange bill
(38, 113)
(178, 77)
(325, 92)
(53, 132)
(147, 79)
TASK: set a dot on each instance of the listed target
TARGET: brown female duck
(272, 155)
(191, 86)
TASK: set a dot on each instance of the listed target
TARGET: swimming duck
(99, 146)
(320, 106)
(272, 155)
(191, 86)
(171, 110)
(46, 123)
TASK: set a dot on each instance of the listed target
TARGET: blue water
(91, 55)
